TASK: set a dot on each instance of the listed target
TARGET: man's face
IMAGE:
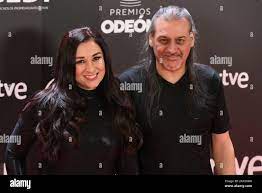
(171, 43)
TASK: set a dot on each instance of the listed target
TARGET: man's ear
(192, 37)
(150, 40)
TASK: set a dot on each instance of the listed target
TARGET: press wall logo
(23, 5)
(133, 18)
(239, 79)
(19, 90)
(130, 3)
(247, 165)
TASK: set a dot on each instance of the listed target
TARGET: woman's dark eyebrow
(80, 57)
(97, 53)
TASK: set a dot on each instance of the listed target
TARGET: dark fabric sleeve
(221, 122)
(135, 74)
(16, 153)
(127, 164)
(125, 77)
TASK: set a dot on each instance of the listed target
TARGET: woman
(81, 123)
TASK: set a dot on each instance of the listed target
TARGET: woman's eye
(97, 58)
(80, 61)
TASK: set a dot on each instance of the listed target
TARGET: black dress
(100, 150)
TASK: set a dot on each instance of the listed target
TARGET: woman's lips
(91, 77)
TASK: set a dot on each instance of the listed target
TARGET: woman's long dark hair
(59, 105)
(197, 95)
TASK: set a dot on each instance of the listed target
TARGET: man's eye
(163, 41)
(180, 41)
(80, 61)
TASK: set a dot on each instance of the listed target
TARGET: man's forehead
(174, 27)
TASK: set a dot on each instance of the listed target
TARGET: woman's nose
(89, 67)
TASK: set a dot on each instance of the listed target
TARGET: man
(181, 108)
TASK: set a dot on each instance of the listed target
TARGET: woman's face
(90, 65)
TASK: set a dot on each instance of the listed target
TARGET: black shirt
(178, 140)
(100, 150)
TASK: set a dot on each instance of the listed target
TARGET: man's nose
(172, 48)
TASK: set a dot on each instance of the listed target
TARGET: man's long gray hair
(148, 59)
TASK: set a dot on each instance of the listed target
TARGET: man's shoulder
(133, 74)
(208, 76)
(206, 72)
